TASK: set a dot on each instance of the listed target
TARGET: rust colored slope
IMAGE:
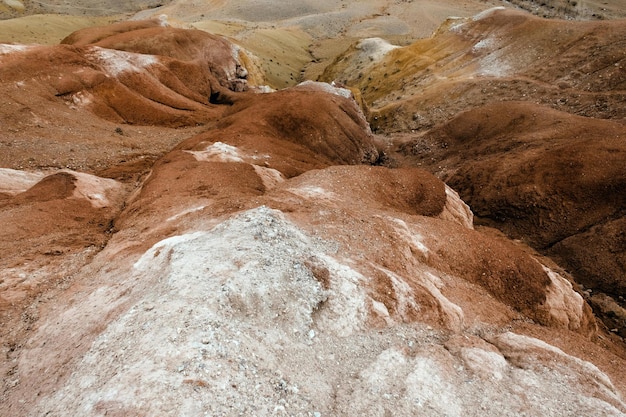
(537, 173)
(301, 130)
(115, 85)
(264, 139)
(65, 105)
(549, 178)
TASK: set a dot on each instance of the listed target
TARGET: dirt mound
(557, 176)
(505, 271)
(66, 209)
(46, 89)
(556, 183)
(412, 191)
(54, 223)
(145, 84)
(257, 144)
(115, 85)
(321, 128)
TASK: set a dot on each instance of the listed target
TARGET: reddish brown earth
(174, 245)
(526, 123)
(558, 184)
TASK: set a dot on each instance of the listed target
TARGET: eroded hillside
(523, 116)
(181, 239)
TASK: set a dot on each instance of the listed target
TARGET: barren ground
(179, 240)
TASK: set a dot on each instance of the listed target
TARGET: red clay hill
(267, 256)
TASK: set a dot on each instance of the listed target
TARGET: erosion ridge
(183, 240)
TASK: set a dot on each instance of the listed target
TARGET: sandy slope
(496, 56)
(298, 40)
(16, 8)
(294, 42)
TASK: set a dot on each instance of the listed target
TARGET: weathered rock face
(265, 265)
